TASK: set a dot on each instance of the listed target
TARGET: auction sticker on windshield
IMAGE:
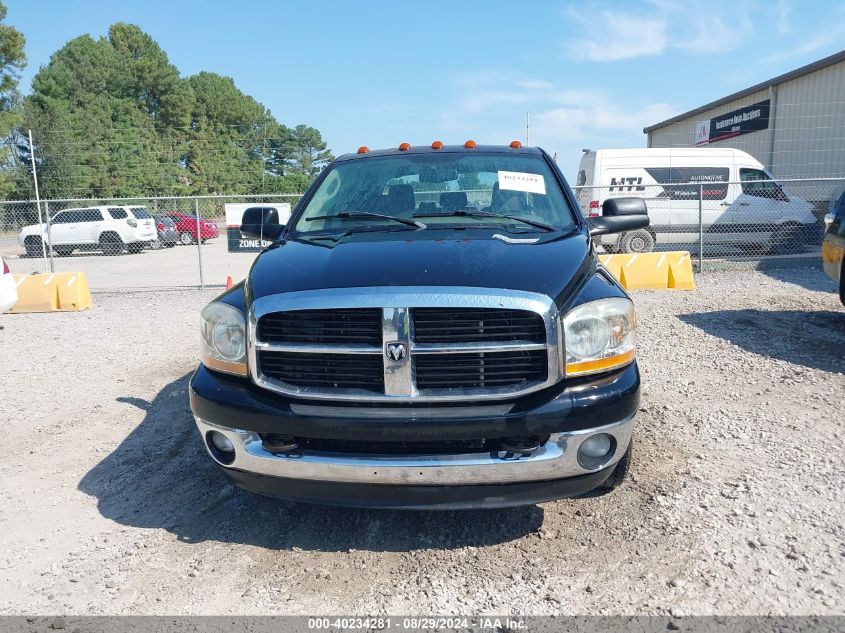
(522, 181)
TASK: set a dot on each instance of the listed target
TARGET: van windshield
(439, 189)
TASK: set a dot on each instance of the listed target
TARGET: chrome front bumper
(556, 459)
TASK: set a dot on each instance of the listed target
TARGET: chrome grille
(404, 344)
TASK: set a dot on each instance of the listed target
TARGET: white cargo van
(740, 202)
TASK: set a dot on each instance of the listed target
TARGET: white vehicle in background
(110, 229)
(741, 203)
(8, 288)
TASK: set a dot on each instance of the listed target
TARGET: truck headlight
(599, 336)
(223, 338)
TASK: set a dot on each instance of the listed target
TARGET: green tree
(112, 117)
(298, 150)
(12, 61)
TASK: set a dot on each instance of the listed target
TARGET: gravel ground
(110, 504)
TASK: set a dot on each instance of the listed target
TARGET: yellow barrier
(50, 292)
(651, 271)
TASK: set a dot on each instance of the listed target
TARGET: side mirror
(261, 223)
(620, 215)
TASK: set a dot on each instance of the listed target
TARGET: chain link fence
(144, 243)
(747, 220)
(138, 243)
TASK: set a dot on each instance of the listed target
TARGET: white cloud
(695, 27)
(824, 38)
(616, 37)
(562, 120)
(784, 8)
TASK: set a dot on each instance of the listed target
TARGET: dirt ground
(111, 506)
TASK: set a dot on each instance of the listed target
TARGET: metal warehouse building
(794, 124)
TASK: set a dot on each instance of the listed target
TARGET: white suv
(110, 229)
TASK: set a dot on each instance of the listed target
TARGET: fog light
(596, 446)
(596, 451)
(222, 443)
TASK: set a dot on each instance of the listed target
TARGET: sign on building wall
(742, 121)
(234, 217)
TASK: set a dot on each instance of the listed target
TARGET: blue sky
(592, 74)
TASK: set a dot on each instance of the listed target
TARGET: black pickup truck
(431, 329)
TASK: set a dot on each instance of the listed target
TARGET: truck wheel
(787, 239)
(636, 242)
(111, 244)
(186, 238)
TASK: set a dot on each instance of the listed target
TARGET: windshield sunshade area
(440, 190)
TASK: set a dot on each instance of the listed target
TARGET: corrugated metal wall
(805, 138)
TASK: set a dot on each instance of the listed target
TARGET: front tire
(186, 238)
(787, 239)
(636, 242)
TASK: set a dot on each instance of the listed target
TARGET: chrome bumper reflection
(556, 459)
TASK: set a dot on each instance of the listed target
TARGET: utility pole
(37, 196)
(528, 128)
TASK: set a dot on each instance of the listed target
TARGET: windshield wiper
(472, 213)
(365, 215)
(335, 237)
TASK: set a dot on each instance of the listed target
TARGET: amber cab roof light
(516, 144)
(437, 145)
(404, 147)
(470, 144)
(363, 149)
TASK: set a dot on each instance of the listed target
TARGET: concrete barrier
(651, 271)
(52, 292)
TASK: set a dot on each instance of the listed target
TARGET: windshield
(436, 189)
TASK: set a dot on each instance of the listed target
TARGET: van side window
(117, 213)
(711, 183)
(765, 188)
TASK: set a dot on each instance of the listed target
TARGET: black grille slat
(474, 325)
(341, 371)
(479, 370)
(322, 327)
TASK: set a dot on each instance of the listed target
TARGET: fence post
(49, 234)
(199, 241)
(701, 228)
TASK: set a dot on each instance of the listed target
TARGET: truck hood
(549, 268)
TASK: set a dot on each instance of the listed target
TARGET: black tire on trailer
(640, 241)
(111, 244)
